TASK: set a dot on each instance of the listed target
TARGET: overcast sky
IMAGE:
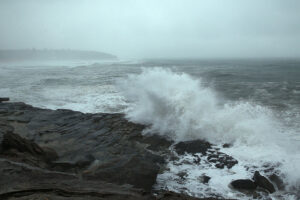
(155, 28)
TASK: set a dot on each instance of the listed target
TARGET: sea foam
(180, 107)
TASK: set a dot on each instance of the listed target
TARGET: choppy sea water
(252, 104)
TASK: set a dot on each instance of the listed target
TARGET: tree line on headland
(47, 54)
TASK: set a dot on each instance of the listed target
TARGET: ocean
(252, 104)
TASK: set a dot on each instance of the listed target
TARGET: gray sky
(155, 28)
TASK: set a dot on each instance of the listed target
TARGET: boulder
(221, 160)
(245, 184)
(227, 145)
(277, 181)
(204, 179)
(168, 195)
(263, 182)
(194, 146)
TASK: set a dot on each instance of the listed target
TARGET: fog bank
(155, 29)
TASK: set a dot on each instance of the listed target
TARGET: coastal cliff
(52, 55)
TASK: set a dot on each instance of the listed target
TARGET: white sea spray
(180, 107)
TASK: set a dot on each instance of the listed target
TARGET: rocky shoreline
(64, 154)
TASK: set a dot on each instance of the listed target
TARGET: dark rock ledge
(63, 154)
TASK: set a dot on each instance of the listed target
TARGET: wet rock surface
(263, 182)
(245, 184)
(277, 181)
(174, 196)
(22, 181)
(203, 155)
(63, 154)
(258, 183)
(194, 146)
(214, 156)
(108, 140)
(221, 160)
(4, 99)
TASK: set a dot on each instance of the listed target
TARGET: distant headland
(53, 54)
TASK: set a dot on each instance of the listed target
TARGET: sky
(155, 28)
